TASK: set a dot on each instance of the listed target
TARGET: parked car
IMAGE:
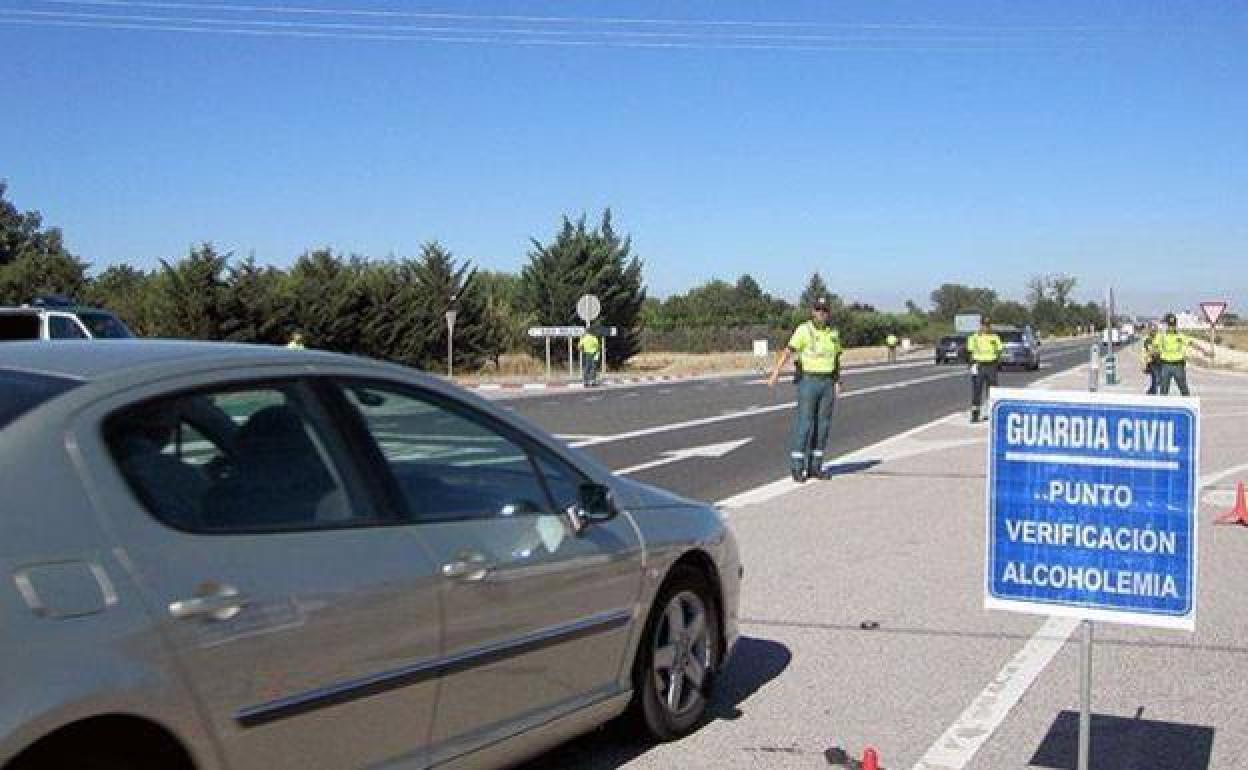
(247, 557)
(1022, 348)
(952, 349)
(57, 319)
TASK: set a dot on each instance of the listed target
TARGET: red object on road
(870, 760)
(1238, 514)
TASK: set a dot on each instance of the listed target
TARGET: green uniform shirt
(818, 350)
(984, 348)
(891, 341)
(1172, 347)
(589, 344)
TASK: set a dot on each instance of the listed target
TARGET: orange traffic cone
(870, 760)
(1238, 514)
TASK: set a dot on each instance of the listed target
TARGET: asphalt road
(628, 427)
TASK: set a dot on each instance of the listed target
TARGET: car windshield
(952, 340)
(19, 326)
(105, 326)
(22, 391)
(1011, 336)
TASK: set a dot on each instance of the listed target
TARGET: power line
(405, 28)
(382, 13)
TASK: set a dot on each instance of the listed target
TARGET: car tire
(687, 656)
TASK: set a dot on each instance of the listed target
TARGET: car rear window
(22, 391)
(105, 326)
(950, 340)
(19, 326)
(1011, 336)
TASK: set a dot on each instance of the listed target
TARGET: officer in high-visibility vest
(984, 348)
(1152, 363)
(591, 351)
(1172, 355)
(891, 342)
(817, 347)
(296, 341)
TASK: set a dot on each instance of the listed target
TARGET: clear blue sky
(891, 145)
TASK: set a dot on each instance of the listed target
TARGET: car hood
(634, 495)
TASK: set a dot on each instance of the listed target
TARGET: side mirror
(596, 503)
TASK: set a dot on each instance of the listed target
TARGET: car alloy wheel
(676, 664)
(681, 659)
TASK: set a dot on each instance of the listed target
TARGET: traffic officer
(1152, 364)
(591, 349)
(984, 348)
(891, 342)
(817, 347)
(296, 341)
(1172, 354)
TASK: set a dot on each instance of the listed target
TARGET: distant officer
(891, 342)
(1152, 363)
(1172, 354)
(984, 348)
(817, 347)
(591, 351)
(296, 341)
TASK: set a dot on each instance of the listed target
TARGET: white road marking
(779, 487)
(657, 429)
(676, 455)
(975, 726)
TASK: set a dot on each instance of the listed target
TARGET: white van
(60, 322)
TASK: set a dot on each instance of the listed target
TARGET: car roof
(89, 360)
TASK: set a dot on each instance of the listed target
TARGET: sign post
(450, 342)
(1091, 505)
(1213, 311)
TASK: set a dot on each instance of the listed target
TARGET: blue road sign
(1091, 506)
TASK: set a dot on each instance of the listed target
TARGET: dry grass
(1236, 338)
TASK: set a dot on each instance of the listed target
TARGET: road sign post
(1091, 512)
(450, 343)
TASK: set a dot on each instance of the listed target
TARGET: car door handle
(211, 602)
(468, 568)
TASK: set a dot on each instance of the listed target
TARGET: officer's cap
(1170, 319)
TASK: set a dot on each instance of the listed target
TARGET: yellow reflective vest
(984, 348)
(818, 349)
(589, 344)
(1172, 347)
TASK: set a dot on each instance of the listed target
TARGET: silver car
(229, 556)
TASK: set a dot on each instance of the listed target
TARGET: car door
(537, 613)
(306, 617)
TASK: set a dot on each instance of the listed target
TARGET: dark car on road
(1022, 348)
(246, 557)
(952, 349)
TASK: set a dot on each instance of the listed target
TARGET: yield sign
(1213, 311)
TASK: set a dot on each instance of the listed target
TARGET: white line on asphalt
(976, 725)
(654, 430)
(779, 487)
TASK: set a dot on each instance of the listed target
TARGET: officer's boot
(799, 473)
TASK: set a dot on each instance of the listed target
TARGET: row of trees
(394, 308)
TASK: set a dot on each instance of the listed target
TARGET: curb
(532, 386)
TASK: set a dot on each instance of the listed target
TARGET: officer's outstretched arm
(782, 358)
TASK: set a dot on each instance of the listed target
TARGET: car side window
(63, 328)
(563, 481)
(448, 462)
(241, 460)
